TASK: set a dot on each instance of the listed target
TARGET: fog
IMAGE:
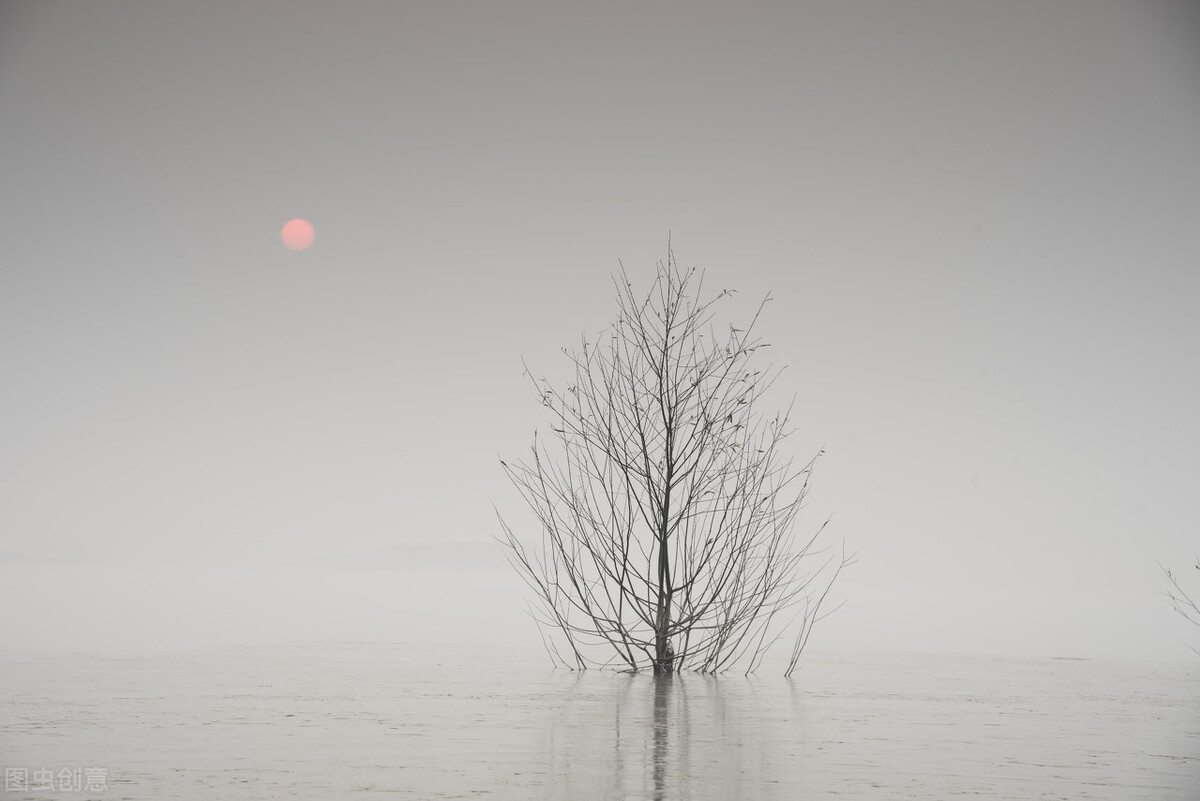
(978, 223)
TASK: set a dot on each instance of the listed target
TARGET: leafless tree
(666, 509)
(1182, 602)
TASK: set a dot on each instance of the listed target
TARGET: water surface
(344, 720)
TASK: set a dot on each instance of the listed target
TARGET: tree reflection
(680, 737)
(663, 686)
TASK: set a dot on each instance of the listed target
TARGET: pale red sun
(297, 234)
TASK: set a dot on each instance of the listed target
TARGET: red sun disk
(297, 234)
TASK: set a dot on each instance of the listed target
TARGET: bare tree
(666, 515)
(1182, 602)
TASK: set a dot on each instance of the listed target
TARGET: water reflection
(663, 685)
(670, 738)
(354, 720)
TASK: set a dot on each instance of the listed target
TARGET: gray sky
(980, 222)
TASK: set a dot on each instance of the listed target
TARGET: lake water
(341, 720)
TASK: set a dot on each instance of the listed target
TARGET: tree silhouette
(1182, 602)
(665, 499)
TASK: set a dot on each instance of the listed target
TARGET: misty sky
(980, 223)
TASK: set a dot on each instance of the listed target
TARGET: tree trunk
(664, 655)
(664, 661)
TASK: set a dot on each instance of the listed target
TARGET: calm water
(395, 721)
